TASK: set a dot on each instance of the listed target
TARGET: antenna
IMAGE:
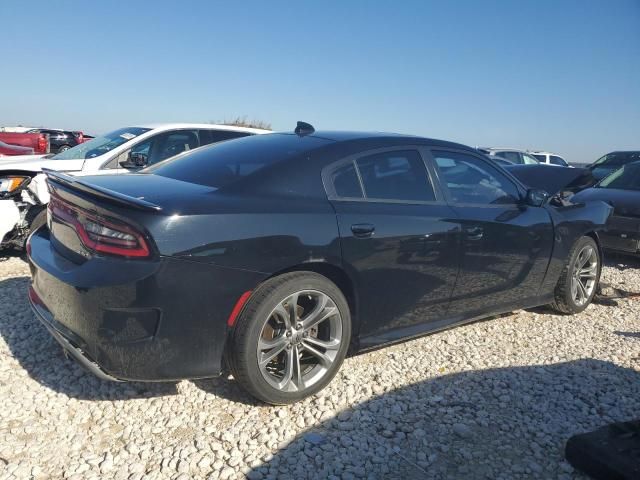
(304, 128)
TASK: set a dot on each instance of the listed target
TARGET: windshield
(625, 178)
(617, 159)
(101, 145)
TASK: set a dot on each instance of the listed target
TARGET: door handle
(475, 233)
(363, 230)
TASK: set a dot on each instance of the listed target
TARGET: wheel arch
(594, 235)
(340, 277)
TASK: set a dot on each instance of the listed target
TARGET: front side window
(396, 175)
(171, 144)
(473, 181)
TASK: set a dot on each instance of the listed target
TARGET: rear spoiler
(100, 192)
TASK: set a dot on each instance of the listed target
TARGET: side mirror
(135, 160)
(536, 198)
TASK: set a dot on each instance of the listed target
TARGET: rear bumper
(9, 218)
(136, 320)
(76, 352)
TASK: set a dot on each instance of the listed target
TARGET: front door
(506, 245)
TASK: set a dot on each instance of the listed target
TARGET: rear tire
(63, 148)
(579, 279)
(291, 338)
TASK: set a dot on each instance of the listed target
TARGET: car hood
(35, 163)
(19, 160)
(552, 179)
(625, 202)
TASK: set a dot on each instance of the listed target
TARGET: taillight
(43, 143)
(98, 233)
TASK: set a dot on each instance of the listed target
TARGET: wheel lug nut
(288, 333)
(299, 326)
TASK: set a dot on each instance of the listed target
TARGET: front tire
(291, 338)
(579, 279)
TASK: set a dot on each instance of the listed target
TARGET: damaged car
(23, 191)
(621, 190)
(276, 255)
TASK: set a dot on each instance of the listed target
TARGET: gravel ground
(494, 399)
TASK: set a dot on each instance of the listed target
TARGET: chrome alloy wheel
(585, 272)
(299, 341)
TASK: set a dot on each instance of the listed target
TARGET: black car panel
(421, 261)
(621, 190)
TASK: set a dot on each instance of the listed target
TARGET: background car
(280, 252)
(511, 154)
(550, 158)
(122, 151)
(621, 189)
(60, 140)
(11, 150)
(39, 142)
(611, 162)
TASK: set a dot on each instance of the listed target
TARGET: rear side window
(213, 136)
(473, 181)
(345, 182)
(557, 160)
(511, 156)
(540, 158)
(396, 175)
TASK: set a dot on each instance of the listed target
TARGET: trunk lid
(112, 215)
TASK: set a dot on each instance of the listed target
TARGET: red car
(39, 142)
(8, 149)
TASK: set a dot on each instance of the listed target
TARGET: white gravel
(495, 399)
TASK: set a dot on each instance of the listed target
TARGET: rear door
(505, 244)
(399, 240)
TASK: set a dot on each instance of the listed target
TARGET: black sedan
(621, 189)
(276, 254)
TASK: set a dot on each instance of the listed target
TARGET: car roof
(207, 126)
(494, 149)
(343, 136)
(543, 152)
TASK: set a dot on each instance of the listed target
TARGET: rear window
(222, 164)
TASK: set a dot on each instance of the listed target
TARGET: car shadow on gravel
(42, 358)
(500, 423)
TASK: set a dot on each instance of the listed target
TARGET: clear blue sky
(559, 75)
